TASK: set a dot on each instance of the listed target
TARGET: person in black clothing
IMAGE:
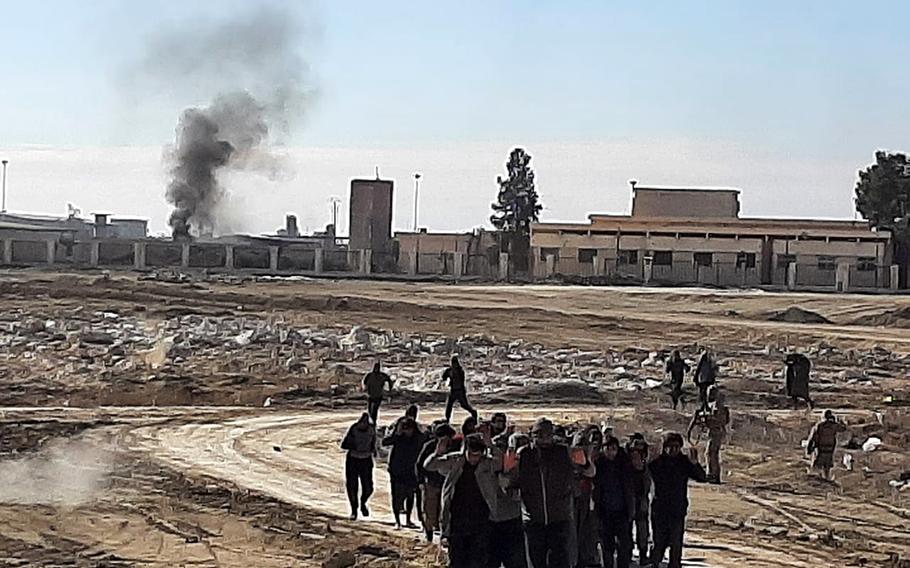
(457, 390)
(431, 481)
(360, 443)
(413, 411)
(677, 368)
(374, 383)
(705, 376)
(406, 444)
(670, 474)
(613, 494)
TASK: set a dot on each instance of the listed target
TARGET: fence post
(366, 261)
(273, 259)
(895, 277)
(412, 263)
(791, 276)
(842, 278)
(318, 260)
(51, 251)
(185, 255)
(7, 251)
(503, 266)
(139, 256)
(229, 257)
(94, 253)
(459, 265)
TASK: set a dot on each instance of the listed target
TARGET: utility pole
(416, 195)
(3, 208)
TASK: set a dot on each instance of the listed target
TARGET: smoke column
(252, 68)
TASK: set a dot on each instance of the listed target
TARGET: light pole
(416, 194)
(3, 208)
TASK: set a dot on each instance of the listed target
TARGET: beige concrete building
(663, 241)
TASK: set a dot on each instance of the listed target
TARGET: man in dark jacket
(641, 492)
(614, 496)
(406, 443)
(670, 474)
(374, 383)
(432, 481)
(587, 527)
(677, 369)
(545, 479)
(458, 391)
(360, 443)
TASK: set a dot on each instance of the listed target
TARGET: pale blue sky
(803, 82)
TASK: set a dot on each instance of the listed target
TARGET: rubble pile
(47, 356)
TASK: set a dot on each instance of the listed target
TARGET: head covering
(377, 366)
(412, 411)
(829, 414)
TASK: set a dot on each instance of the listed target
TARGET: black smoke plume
(251, 67)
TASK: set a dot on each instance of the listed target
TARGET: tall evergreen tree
(883, 197)
(516, 206)
(883, 191)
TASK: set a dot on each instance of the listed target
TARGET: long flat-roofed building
(695, 235)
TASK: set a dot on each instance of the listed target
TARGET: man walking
(670, 474)
(677, 369)
(360, 443)
(586, 441)
(458, 392)
(406, 444)
(545, 479)
(432, 481)
(614, 497)
(705, 376)
(374, 383)
(468, 495)
(823, 441)
(715, 420)
(641, 494)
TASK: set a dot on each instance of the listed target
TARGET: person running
(670, 474)
(406, 444)
(715, 420)
(374, 383)
(545, 480)
(468, 496)
(360, 443)
(823, 442)
(613, 494)
(677, 369)
(705, 376)
(797, 371)
(458, 392)
(430, 480)
(641, 494)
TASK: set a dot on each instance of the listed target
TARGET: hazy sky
(785, 100)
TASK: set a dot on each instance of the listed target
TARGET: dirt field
(146, 423)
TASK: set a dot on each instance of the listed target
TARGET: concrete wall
(647, 202)
(162, 254)
(296, 259)
(115, 253)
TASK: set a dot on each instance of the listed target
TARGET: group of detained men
(556, 496)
